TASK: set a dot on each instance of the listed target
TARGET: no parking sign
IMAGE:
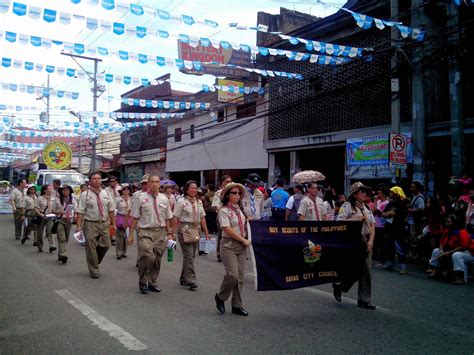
(398, 151)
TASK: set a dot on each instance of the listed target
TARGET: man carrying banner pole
(356, 210)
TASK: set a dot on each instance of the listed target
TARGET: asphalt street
(50, 308)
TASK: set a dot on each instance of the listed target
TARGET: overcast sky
(223, 12)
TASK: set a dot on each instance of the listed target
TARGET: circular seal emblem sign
(57, 155)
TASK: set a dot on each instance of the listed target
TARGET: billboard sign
(216, 55)
(227, 95)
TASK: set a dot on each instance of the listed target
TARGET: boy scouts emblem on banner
(57, 155)
(312, 253)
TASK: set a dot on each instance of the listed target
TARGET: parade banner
(289, 255)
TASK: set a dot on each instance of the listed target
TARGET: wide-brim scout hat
(123, 186)
(357, 186)
(254, 179)
(145, 178)
(230, 186)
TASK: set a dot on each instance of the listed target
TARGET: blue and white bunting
(82, 49)
(365, 22)
(40, 91)
(140, 32)
(21, 146)
(177, 105)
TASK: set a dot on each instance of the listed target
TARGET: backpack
(296, 205)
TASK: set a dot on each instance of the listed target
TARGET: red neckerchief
(236, 210)
(155, 206)
(315, 205)
(99, 203)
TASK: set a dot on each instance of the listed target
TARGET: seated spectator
(455, 250)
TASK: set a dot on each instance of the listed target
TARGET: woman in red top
(454, 242)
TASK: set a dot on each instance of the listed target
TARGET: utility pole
(418, 98)
(455, 92)
(48, 97)
(78, 115)
(95, 90)
(395, 80)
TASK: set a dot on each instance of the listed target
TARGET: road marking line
(329, 294)
(128, 340)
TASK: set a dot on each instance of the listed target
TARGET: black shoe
(119, 258)
(17, 237)
(183, 283)
(219, 259)
(95, 276)
(365, 305)
(154, 288)
(23, 240)
(337, 292)
(51, 249)
(193, 286)
(240, 311)
(143, 288)
(124, 256)
(220, 304)
(63, 259)
(40, 250)
(35, 244)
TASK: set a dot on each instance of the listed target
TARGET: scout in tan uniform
(188, 216)
(252, 201)
(30, 213)
(355, 209)
(17, 200)
(311, 206)
(113, 190)
(233, 248)
(217, 204)
(143, 188)
(69, 208)
(123, 204)
(95, 214)
(151, 212)
(47, 205)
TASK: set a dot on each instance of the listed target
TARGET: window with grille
(246, 110)
(191, 131)
(177, 134)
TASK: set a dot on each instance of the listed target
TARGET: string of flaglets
(39, 90)
(20, 108)
(366, 22)
(21, 146)
(119, 79)
(141, 32)
(139, 10)
(82, 49)
(181, 105)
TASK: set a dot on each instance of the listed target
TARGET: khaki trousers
(188, 275)
(18, 222)
(64, 229)
(31, 227)
(120, 242)
(97, 243)
(234, 256)
(45, 226)
(152, 244)
(364, 291)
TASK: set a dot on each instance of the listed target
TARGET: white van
(68, 177)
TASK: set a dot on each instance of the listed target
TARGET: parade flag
(289, 255)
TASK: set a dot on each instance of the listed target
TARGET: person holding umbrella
(312, 207)
(356, 210)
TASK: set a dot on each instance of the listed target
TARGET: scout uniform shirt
(69, 209)
(312, 211)
(18, 197)
(252, 203)
(113, 193)
(30, 202)
(123, 206)
(49, 205)
(229, 217)
(216, 200)
(188, 211)
(347, 212)
(151, 211)
(90, 208)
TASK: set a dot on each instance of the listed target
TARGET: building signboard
(230, 95)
